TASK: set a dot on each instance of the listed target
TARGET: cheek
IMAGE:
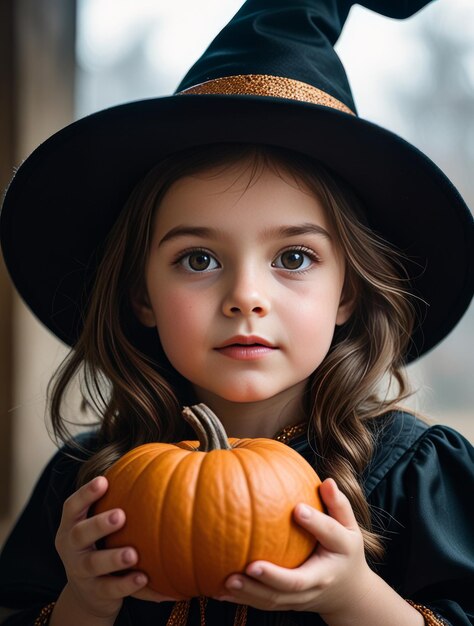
(313, 305)
(314, 327)
(178, 317)
(311, 317)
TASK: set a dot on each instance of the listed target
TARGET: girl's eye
(198, 261)
(294, 259)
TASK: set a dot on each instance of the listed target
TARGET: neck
(257, 419)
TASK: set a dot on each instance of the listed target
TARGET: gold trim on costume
(431, 619)
(44, 615)
(290, 432)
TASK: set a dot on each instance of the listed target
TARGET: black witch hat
(270, 77)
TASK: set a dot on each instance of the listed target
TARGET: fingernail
(128, 556)
(114, 517)
(304, 511)
(235, 584)
(255, 571)
(95, 484)
(140, 579)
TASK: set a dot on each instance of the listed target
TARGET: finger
(149, 595)
(78, 504)
(263, 597)
(332, 535)
(102, 562)
(116, 587)
(337, 504)
(87, 532)
(281, 578)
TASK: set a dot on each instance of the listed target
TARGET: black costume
(420, 485)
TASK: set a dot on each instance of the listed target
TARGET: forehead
(240, 194)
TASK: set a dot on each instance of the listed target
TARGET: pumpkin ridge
(157, 457)
(259, 454)
(129, 458)
(250, 494)
(274, 455)
(194, 518)
(166, 495)
(120, 471)
(188, 473)
(297, 473)
(263, 455)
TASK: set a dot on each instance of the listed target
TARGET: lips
(246, 340)
(246, 348)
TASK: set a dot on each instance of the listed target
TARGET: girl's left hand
(331, 582)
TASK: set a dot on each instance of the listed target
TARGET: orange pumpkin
(200, 511)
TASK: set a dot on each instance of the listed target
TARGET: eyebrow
(279, 232)
(307, 228)
(197, 231)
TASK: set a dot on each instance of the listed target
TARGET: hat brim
(64, 199)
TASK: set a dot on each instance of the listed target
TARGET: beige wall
(42, 90)
(7, 106)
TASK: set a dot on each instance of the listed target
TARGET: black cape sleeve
(423, 504)
(31, 572)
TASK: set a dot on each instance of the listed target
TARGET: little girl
(252, 244)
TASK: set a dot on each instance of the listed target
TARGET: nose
(246, 295)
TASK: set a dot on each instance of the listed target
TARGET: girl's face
(243, 285)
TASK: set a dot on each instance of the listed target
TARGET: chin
(245, 395)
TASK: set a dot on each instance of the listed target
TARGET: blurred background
(63, 59)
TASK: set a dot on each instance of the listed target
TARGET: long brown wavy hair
(137, 395)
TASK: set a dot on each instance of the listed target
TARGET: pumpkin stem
(208, 428)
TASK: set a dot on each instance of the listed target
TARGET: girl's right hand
(89, 570)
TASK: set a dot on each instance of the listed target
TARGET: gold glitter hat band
(267, 86)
